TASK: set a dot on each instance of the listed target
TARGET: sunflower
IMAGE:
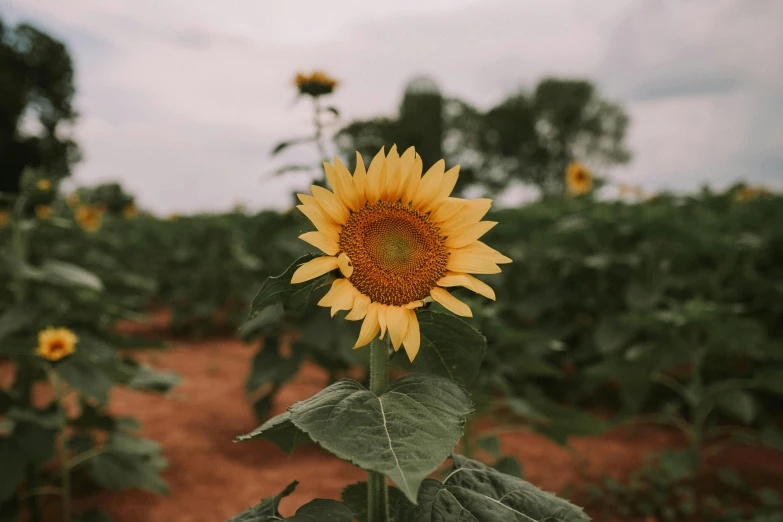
(89, 217)
(56, 343)
(73, 200)
(315, 84)
(579, 180)
(749, 193)
(44, 185)
(130, 211)
(5, 218)
(398, 241)
(43, 211)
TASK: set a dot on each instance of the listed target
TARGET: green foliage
(316, 510)
(473, 491)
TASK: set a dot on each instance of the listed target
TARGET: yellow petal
(360, 178)
(331, 205)
(338, 185)
(344, 263)
(397, 323)
(314, 268)
(414, 304)
(322, 242)
(360, 305)
(345, 298)
(373, 189)
(447, 209)
(351, 196)
(476, 258)
(328, 300)
(448, 183)
(429, 185)
(471, 212)
(469, 234)
(315, 213)
(406, 164)
(382, 318)
(412, 339)
(370, 326)
(469, 282)
(414, 179)
(450, 302)
(483, 248)
(391, 186)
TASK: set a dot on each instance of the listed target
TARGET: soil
(211, 478)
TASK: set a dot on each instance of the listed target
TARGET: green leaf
(406, 433)
(490, 444)
(129, 462)
(475, 493)
(738, 404)
(67, 274)
(16, 319)
(269, 367)
(86, 377)
(355, 496)
(770, 380)
(268, 509)
(612, 335)
(509, 466)
(279, 289)
(279, 430)
(450, 347)
(263, 405)
(323, 510)
(149, 379)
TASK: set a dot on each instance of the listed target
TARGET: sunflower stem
(377, 489)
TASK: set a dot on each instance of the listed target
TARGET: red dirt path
(212, 478)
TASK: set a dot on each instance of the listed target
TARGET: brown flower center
(55, 347)
(397, 254)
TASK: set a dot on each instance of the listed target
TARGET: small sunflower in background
(73, 200)
(315, 84)
(399, 240)
(43, 211)
(579, 179)
(747, 193)
(130, 211)
(44, 185)
(5, 218)
(89, 217)
(173, 217)
(56, 343)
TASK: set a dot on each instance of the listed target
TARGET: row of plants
(60, 358)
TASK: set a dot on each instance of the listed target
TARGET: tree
(36, 93)
(528, 137)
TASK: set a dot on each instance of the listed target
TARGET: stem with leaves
(319, 131)
(377, 489)
(65, 466)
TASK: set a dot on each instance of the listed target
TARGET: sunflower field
(390, 348)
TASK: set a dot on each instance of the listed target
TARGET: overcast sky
(181, 100)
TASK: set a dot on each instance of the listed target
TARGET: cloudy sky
(181, 101)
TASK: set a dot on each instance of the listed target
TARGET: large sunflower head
(579, 179)
(398, 240)
(56, 343)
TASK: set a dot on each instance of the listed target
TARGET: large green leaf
(450, 347)
(267, 509)
(129, 462)
(86, 377)
(278, 289)
(405, 433)
(67, 274)
(279, 430)
(475, 493)
(739, 404)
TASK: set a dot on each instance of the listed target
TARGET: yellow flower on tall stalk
(579, 179)
(130, 211)
(398, 240)
(89, 217)
(317, 83)
(44, 185)
(43, 211)
(56, 343)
